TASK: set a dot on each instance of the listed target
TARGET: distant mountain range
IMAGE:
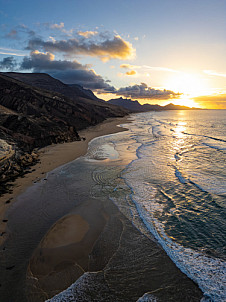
(135, 106)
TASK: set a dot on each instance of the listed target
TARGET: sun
(186, 101)
(191, 85)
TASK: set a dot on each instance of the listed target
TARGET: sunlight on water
(176, 183)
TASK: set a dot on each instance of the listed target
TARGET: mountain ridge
(135, 106)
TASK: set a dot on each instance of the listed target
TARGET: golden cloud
(48, 56)
(128, 66)
(115, 48)
(87, 34)
(132, 72)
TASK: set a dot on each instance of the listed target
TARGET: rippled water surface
(174, 169)
(166, 174)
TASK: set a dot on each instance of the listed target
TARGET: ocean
(173, 164)
(166, 174)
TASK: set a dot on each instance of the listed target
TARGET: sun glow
(191, 85)
(186, 101)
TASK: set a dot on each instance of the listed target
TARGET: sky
(157, 52)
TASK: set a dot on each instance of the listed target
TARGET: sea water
(174, 168)
(166, 174)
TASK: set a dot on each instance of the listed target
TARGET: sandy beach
(53, 156)
(92, 242)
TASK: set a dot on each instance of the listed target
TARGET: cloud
(18, 32)
(41, 61)
(87, 34)
(13, 34)
(115, 48)
(142, 91)
(10, 52)
(8, 63)
(86, 78)
(215, 73)
(157, 68)
(57, 26)
(69, 72)
(128, 66)
(132, 72)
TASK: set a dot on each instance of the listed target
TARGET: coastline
(53, 156)
(95, 244)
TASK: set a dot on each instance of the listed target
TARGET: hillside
(46, 82)
(31, 117)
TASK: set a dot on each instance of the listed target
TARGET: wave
(206, 136)
(180, 177)
(208, 272)
(221, 147)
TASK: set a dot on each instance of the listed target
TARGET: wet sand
(113, 262)
(92, 242)
(52, 157)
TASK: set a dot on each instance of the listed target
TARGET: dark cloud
(42, 61)
(86, 78)
(69, 72)
(110, 48)
(142, 91)
(8, 63)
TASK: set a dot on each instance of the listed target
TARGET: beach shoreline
(53, 156)
(89, 242)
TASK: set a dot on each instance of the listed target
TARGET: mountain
(53, 109)
(31, 117)
(87, 92)
(135, 106)
(85, 98)
(177, 107)
(46, 82)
